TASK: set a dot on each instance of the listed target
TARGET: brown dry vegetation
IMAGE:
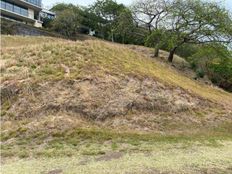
(56, 92)
(99, 81)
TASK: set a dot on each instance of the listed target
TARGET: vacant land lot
(97, 107)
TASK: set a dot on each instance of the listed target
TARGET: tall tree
(108, 11)
(68, 20)
(124, 26)
(149, 12)
(196, 22)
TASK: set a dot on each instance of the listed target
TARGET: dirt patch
(150, 171)
(99, 99)
(85, 161)
(185, 171)
(215, 170)
(55, 171)
(110, 156)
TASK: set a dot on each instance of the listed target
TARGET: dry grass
(39, 64)
(14, 41)
(30, 62)
(44, 61)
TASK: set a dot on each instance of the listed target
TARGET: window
(9, 6)
(24, 12)
(14, 8)
(35, 2)
(3, 4)
(17, 9)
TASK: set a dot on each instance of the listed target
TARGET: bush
(7, 27)
(220, 73)
(215, 61)
(200, 73)
(187, 50)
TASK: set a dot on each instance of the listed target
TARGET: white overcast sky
(49, 3)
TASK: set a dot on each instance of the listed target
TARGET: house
(47, 14)
(26, 11)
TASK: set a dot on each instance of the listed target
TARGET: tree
(68, 19)
(124, 26)
(62, 6)
(196, 22)
(67, 23)
(149, 12)
(91, 21)
(156, 39)
(107, 11)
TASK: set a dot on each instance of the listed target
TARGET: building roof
(49, 12)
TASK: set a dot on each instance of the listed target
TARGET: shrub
(221, 73)
(200, 73)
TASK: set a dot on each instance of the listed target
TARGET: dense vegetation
(199, 31)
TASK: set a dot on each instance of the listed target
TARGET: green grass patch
(99, 141)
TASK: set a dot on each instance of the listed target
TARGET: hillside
(56, 93)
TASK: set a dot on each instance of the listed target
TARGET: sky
(49, 3)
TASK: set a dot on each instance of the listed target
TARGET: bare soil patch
(110, 156)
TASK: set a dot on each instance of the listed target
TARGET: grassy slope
(104, 57)
(28, 60)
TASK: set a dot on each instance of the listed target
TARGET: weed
(7, 153)
(92, 152)
(114, 146)
(23, 154)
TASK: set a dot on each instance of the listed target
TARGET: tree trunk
(123, 38)
(149, 28)
(156, 54)
(112, 39)
(171, 54)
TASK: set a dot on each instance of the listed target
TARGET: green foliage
(7, 27)
(62, 6)
(194, 22)
(109, 20)
(67, 23)
(47, 22)
(91, 20)
(107, 11)
(124, 27)
(156, 37)
(221, 73)
(200, 73)
(187, 50)
(216, 61)
(68, 20)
